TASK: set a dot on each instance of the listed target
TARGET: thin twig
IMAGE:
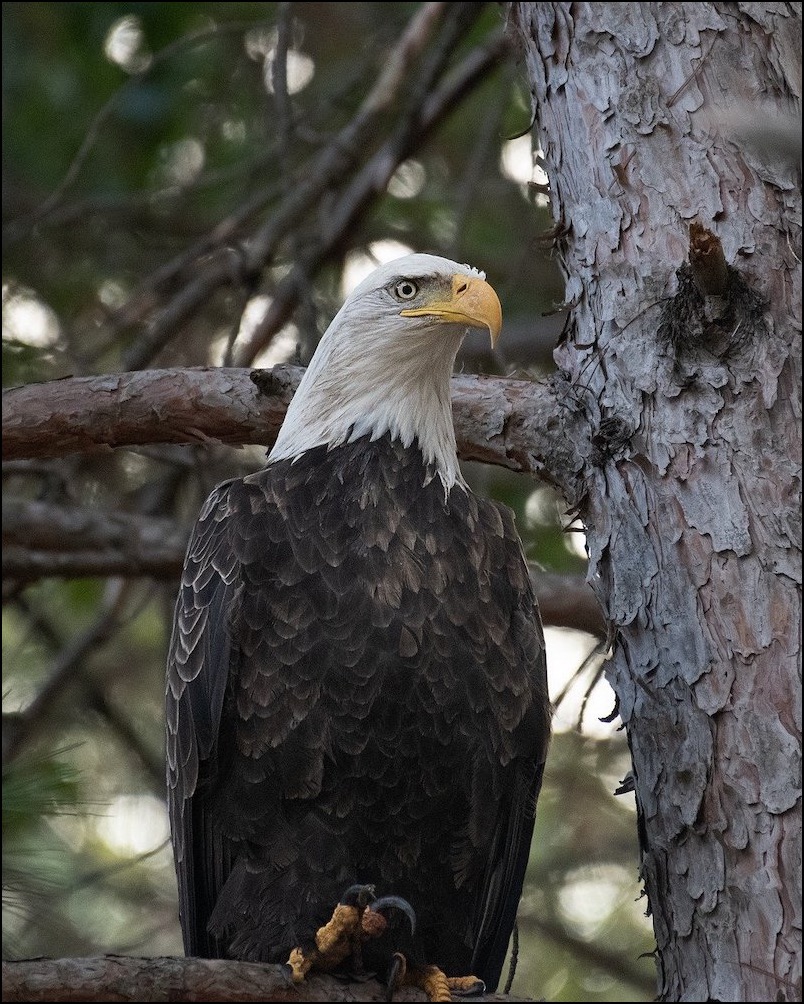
(65, 668)
(514, 959)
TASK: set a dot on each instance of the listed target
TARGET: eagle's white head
(384, 363)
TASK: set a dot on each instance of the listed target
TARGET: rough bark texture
(128, 409)
(684, 382)
(122, 978)
(499, 421)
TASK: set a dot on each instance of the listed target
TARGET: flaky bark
(682, 368)
(151, 406)
(500, 421)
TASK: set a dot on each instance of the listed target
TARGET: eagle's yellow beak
(473, 302)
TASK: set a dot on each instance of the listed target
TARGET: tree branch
(129, 409)
(123, 978)
(568, 601)
(44, 539)
(511, 423)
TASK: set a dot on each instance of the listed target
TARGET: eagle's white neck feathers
(376, 372)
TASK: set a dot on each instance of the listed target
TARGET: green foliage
(33, 789)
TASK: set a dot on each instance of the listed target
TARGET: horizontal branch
(568, 601)
(501, 421)
(81, 414)
(43, 540)
(123, 978)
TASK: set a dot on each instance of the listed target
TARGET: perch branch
(511, 423)
(124, 978)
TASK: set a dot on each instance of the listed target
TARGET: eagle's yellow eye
(405, 289)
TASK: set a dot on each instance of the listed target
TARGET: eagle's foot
(337, 939)
(432, 980)
(466, 986)
(357, 918)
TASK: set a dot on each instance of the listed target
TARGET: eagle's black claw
(359, 896)
(396, 903)
(396, 973)
(476, 990)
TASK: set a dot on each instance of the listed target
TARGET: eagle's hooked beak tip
(472, 302)
(479, 303)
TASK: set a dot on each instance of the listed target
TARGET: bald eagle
(356, 688)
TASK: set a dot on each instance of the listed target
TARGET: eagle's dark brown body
(356, 694)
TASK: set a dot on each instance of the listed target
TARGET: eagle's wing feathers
(199, 657)
(502, 884)
(263, 588)
(522, 645)
(325, 650)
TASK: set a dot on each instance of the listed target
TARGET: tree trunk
(668, 133)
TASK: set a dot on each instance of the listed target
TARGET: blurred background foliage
(148, 150)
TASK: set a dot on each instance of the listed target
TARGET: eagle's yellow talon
(466, 984)
(299, 964)
(334, 940)
(431, 980)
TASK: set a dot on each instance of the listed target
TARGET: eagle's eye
(405, 289)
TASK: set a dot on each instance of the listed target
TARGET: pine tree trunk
(668, 136)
